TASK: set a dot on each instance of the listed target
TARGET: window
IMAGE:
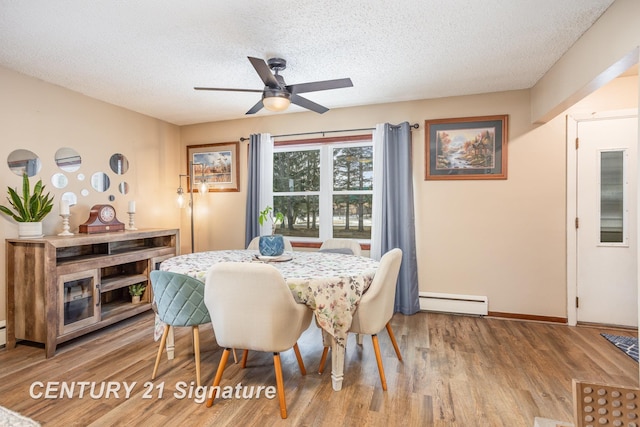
(612, 203)
(324, 189)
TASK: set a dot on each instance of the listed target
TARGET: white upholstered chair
(253, 245)
(252, 308)
(375, 309)
(337, 244)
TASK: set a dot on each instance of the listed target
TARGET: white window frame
(326, 191)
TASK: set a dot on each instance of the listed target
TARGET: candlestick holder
(132, 224)
(65, 225)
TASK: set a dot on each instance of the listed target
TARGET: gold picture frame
(466, 148)
(217, 164)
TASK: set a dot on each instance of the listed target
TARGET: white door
(607, 227)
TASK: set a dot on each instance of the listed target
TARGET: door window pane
(611, 196)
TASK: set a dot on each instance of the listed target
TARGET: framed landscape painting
(466, 148)
(216, 164)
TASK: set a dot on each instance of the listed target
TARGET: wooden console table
(59, 288)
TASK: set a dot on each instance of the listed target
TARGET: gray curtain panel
(398, 219)
(252, 228)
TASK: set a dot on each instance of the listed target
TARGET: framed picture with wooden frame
(216, 164)
(466, 148)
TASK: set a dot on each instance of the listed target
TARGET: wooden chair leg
(376, 348)
(163, 341)
(299, 357)
(235, 356)
(196, 351)
(280, 385)
(323, 360)
(393, 341)
(216, 380)
(245, 356)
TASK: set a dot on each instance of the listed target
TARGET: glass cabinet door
(79, 302)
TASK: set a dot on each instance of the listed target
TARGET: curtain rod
(413, 126)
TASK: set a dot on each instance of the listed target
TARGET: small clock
(102, 219)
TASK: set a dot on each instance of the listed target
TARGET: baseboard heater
(3, 332)
(454, 303)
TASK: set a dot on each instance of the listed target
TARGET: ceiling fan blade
(321, 85)
(228, 89)
(309, 105)
(264, 72)
(256, 108)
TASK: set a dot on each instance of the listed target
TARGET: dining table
(330, 284)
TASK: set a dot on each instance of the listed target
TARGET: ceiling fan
(276, 95)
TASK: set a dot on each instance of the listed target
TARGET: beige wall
(43, 118)
(504, 239)
(473, 237)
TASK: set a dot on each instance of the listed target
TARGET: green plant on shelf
(137, 290)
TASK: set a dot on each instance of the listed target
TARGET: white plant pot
(30, 230)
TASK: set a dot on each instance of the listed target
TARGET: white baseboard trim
(454, 303)
(3, 332)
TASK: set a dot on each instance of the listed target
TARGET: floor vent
(3, 332)
(454, 303)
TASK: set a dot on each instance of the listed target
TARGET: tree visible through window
(313, 182)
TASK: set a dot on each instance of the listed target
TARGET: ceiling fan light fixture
(276, 101)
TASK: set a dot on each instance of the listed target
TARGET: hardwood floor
(457, 371)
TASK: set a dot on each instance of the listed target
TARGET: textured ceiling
(147, 55)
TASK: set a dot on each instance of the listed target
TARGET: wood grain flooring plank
(456, 371)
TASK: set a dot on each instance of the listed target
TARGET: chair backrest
(179, 299)
(376, 305)
(252, 307)
(337, 244)
(254, 244)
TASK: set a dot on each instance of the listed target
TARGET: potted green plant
(136, 292)
(271, 245)
(28, 209)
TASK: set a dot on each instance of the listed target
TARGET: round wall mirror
(123, 187)
(70, 197)
(119, 163)
(111, 197)
(68, 159)
(80, 177)
(24, 161)
(59, 180)
(84, 192)
(100, 182)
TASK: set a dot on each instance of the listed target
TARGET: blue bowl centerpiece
(271, 245)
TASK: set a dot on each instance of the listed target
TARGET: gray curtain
(398, 218)
(252, 228)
